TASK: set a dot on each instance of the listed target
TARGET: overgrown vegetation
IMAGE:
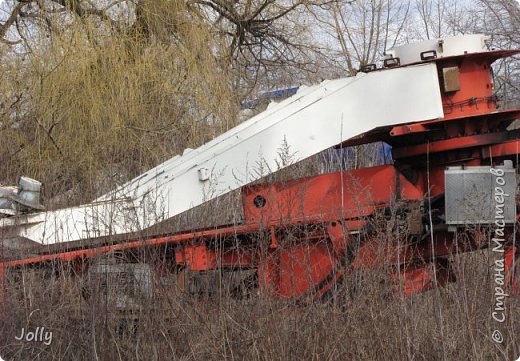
(360, 323)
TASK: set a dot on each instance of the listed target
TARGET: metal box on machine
(471, 194)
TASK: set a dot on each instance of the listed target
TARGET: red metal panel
(198, 258)
(297, 271)
(408, 129)
(504, 149)
(510, 257)
(353, 194)
(476, 89)
(450, 144)
(238, 258)
(420, 278)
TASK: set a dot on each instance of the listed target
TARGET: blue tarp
(275, 94)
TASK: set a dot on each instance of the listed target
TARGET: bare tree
(256, 30)
(269, 43)
(438, 18)
(360, 31)
(501, 20)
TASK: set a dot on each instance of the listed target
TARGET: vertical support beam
(510, 257)
(2, 285)
(269, 273)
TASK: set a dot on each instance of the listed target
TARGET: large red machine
(301, 238)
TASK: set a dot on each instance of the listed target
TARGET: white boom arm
(314, 119)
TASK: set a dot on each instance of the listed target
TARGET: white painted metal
(449, 46)
(314, 119)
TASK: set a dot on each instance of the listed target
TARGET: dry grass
(361, 322)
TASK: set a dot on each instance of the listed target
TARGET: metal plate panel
(445, 47)
(470, 195)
